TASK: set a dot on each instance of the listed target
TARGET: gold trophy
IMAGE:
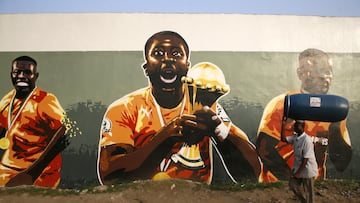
(205, 84)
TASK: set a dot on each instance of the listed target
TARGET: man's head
(24, 75)
(299, 126)
(167, 60)
(315, 71)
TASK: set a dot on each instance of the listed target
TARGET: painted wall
(90, 60)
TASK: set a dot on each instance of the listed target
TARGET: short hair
(25, 58)
(312, 55)
(300, 122)
(167, 32)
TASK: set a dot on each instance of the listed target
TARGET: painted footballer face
(166, 62)
(316, 76)
(23, 77)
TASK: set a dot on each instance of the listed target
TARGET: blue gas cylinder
(316, 107)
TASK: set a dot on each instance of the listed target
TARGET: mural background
(88, 61)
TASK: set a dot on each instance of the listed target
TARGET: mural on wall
(332, 138)
(224, 168)
(174, 135)
(170, 128)
(32, 130)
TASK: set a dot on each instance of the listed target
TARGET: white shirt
(304, 148)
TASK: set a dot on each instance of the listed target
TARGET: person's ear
(37, 75)
(300, 73)
(144, 66)
(188, 64)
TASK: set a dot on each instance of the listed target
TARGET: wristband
(222, 131)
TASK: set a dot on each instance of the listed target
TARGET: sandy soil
(178, 191)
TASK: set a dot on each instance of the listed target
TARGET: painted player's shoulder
(5, 101)
(42, 96)
(131, 98)
(279, 99)
(39, 95)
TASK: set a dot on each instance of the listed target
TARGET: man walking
(305, 167)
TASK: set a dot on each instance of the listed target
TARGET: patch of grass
(338, 183)
(247, 185)
(32, 190)
(90, 189)
(341, 185)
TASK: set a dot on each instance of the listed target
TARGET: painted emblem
(106, 125)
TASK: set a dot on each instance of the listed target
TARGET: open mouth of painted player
(168, 75)
(168, 80)
(22, 84)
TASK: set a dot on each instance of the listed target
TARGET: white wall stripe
(204, 32)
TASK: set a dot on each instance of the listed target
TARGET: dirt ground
(180, 191)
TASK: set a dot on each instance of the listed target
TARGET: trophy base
(189, 157)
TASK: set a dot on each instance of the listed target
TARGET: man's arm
(268, 150)
(248, 152)
(301, 168)
(58, 143)
(282, 133)
(120, 162)
(230, 138)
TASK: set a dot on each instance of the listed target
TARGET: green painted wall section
(105, 76)
(87, 82)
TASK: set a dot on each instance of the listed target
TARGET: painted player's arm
(240, 140)
(268, 151)
(340, 150)
(3, 106)
(269, 133)
(58, 143)
(209, 121)
(122, 162)
(2, 132)
(269, 145)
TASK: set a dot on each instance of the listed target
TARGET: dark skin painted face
(166, 63)
(23, 77)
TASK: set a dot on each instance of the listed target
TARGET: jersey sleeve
(51, 111)
(4, 106)
(232, 128)
(344, 132)
(271, 120)
(117, 126)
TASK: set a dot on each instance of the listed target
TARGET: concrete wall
(89, 60)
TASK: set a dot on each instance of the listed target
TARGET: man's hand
(193, 128)
(208, 123)
(175, 128)
(28, 176)
(207, 120)
(296, 175)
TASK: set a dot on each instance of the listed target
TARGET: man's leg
(309, 189)
(295, 185)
